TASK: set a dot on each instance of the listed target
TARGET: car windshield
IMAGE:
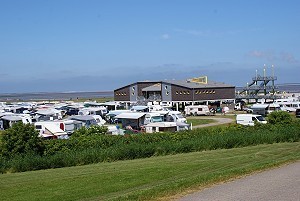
(179, 116)
(260, 118)
(157, 119)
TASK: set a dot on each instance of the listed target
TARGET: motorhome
(197, 110)
(102, 111)
(153, 118)
(175, 116)
(249, 119)
(289, 106)
(264, 109)
(99, 120)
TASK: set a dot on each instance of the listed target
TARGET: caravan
(7, 120)
(196, 110)
(264, 109)
(55, 128)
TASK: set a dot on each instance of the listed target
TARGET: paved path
(281, 184)
(220, 120)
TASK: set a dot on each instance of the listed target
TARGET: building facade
(195, 90)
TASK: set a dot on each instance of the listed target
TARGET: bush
(280, 117)
(93, 130)
(93, 148)
(21, 139)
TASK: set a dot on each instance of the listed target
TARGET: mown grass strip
(144, 179)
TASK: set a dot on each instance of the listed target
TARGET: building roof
(183, 83)
(188, 84)
(155, 87)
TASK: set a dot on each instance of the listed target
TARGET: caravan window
(38, 127)
(200, 109)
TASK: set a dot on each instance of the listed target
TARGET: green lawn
(144, 179)
(197, 121)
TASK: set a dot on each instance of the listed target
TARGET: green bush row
(94, 148)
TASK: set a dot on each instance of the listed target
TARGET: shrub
(280, 117)
(93, 130)
(21, 139)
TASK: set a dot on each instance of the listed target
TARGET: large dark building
(176, 91)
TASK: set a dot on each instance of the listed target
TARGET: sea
(55, 96)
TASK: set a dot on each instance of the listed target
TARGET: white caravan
(289, 106)
(196, 110)
(161, 127)
(264, 109)
(175, 116)
(67, 126)
(102, 111)
(158, 109)
(9, 119)
(249, 119)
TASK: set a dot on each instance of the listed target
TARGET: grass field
(198, 121)
(145, 179)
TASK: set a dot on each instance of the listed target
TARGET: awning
(11, 118)
(130, 115)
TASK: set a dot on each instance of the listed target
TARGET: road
(277, 185)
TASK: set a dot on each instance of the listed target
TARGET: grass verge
(145, 179)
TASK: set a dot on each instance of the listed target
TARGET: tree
(21, 139)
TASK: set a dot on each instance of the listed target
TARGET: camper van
(153, 118)
(249, 119)
(175, 116)
(102, 111)
(197, 110)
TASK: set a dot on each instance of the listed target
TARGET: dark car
(298, 113)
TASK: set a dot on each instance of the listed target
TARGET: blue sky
(96, 45)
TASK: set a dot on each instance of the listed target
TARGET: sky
(101, 45)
